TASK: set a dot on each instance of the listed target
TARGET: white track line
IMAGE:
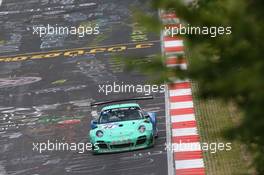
(194, 163)
(184, 132)
(181, 105)
(175, 43)
(183, 147)
(182, 118)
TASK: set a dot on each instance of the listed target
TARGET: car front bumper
(140, 142)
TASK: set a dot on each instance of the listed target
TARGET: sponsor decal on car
(110, 125)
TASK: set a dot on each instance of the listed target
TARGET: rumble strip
(187, 156)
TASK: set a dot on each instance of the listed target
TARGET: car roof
(125, 105)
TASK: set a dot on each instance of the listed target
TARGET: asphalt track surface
(48, 99)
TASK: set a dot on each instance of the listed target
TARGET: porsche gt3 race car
(123, 127)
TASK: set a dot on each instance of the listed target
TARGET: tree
(228, 67)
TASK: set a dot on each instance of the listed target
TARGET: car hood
(125, 128)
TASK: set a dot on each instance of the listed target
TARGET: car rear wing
(148, 97)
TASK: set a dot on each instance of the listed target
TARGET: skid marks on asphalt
(120, 163)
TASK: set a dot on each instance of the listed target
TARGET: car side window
(103, 118)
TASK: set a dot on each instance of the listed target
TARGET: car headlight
(141, 128)
(99, 133)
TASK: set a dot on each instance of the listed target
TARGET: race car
(123, 127)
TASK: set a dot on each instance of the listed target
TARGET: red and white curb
(184, 143)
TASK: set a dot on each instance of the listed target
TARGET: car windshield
(120, 114)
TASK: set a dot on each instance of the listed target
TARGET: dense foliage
(228, 67)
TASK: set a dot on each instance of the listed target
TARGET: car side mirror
(147, 118)
(95, 114)
(94, 124)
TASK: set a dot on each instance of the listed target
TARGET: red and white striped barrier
(185, 142)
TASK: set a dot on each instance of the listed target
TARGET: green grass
(213, 118)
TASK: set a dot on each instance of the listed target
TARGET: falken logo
(110, 126)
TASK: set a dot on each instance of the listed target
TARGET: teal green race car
(123, 127)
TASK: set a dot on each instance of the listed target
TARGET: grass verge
(213, 118)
